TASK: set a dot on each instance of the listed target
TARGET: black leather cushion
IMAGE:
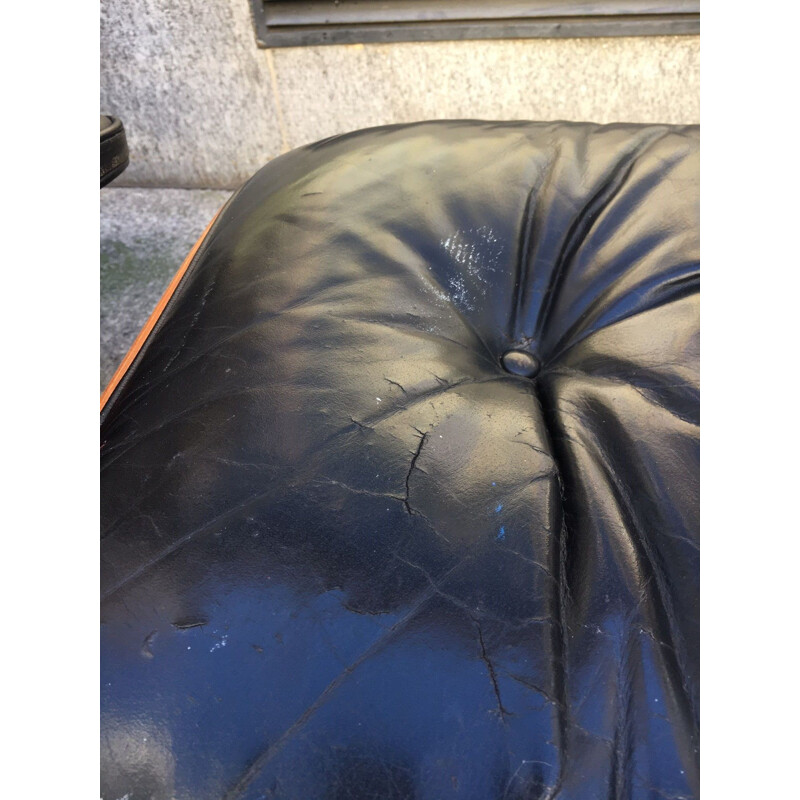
(346, 552)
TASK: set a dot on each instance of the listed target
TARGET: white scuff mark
(478, 251)
(221, 643)
(459, 293)
(440, 295)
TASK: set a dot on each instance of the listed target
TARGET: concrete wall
(205, 108)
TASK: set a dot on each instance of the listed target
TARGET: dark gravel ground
(145, 234)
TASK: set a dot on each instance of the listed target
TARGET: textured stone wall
(205, 108)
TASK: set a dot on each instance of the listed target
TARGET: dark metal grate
(289, 23)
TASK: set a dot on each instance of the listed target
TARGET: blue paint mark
(501, 535)
(493, 483)
(498, 509)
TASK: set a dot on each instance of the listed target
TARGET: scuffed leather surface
(345, 554)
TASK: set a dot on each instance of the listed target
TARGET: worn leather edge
(144, 334)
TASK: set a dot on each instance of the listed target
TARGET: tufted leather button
(518, 362)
